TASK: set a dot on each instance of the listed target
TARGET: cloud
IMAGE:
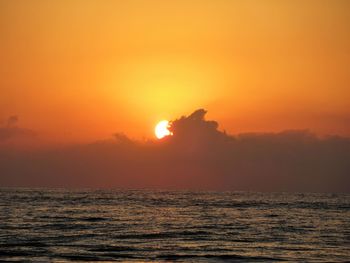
(197, 156)
(10, 130)
(12, 120)
(194, 130)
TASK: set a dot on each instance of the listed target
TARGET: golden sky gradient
(82, 70)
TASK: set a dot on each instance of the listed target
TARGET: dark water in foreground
(60, 225)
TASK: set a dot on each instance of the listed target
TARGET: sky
(256, 92)
(78, 71)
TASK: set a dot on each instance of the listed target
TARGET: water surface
(166, 226)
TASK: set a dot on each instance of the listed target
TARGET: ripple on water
(59, 225)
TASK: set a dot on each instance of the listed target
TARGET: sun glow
(161, 130)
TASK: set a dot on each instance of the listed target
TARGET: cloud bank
(197, 156)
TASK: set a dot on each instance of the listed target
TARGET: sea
(57, 225)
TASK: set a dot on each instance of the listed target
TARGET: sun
(161, 129)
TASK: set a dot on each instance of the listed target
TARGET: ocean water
(165, 226)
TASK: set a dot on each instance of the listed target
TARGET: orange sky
(82, 70)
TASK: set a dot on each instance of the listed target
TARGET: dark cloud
(12, 120)
(197, 156)
(10, 130)
(196, 132)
